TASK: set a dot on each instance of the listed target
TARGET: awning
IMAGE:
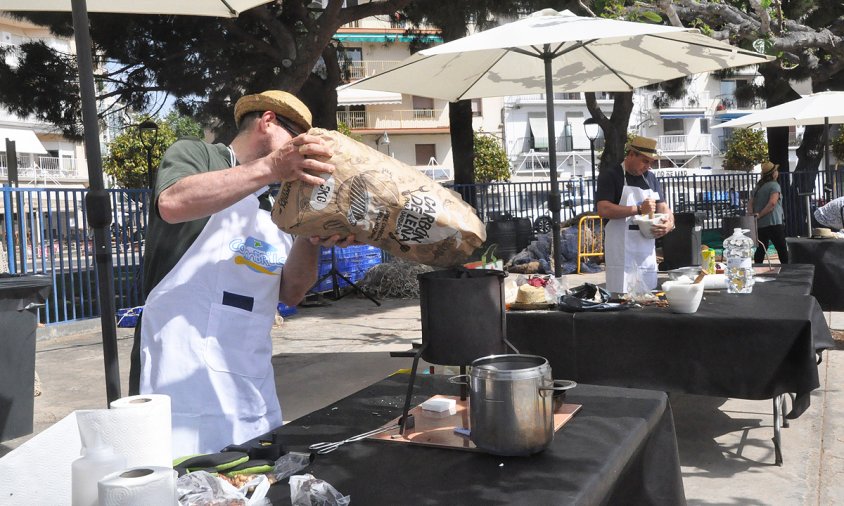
(681, 115)
(25, 141)
(385, 38)
(539, 128)
(354, 96)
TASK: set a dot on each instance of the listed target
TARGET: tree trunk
(320, 92)
(614, 127)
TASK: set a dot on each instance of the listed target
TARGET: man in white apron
(215, 268)
(623, 192)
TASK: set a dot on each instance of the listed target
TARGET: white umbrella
(97, 202)
(558, 50)
(823, 108)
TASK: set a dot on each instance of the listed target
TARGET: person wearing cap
(215, 268)
(623, 192)
(766, 205)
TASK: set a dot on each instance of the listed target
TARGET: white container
(95, 463)
(738, 254)
(645, 223)
(683, 297)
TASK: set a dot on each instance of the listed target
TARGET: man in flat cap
(215, 267)
(623, 192)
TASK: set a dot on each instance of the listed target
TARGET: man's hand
(297, 160)
(334, 240)
(647, 207)
(661, 229)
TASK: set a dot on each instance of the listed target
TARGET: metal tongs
(328, 447)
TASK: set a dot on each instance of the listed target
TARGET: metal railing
(45, 231)
(411, 118)
(360, 69)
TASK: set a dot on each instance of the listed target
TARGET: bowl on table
(645, 223)
(689, 272)
(683, 296)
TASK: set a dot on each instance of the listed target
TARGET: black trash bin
(20, 296)
(681, 247)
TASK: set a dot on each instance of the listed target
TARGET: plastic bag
(305, 490)
(589, 297)
(290, 464)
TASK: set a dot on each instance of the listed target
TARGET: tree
(126, 161)
(745, 149)
(491, 163)
(205, 63)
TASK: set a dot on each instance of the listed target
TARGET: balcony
(389, 120)
(558, 97)
(677, 145)
(42, 168)
(360, 69)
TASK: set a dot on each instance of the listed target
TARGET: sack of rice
(383, 202)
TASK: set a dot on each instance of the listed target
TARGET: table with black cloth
(620, 448)
(827, 255)
(749, 346)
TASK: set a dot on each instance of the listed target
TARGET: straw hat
(768, 167)
(644, 146)
(280, 102)
(822, 233)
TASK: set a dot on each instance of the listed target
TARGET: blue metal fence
(45, 231)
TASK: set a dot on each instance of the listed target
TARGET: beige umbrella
(97, 202)
(550, 51)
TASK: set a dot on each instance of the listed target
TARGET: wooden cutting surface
(437, 429)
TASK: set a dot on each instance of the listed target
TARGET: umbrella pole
(97, 202)
(826, 150)
(554, 196)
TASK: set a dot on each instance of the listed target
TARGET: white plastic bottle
(96, 461)
(738, 254)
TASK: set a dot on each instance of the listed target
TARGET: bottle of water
(738, 254)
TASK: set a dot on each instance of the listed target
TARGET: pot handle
(559, 388)
(455, 379)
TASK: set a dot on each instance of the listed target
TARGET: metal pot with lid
(511, 408)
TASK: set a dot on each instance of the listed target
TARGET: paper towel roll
(137, 427)
(715, 282)
(140, 486)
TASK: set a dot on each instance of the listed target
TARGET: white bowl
(646, 223)
(683, 297)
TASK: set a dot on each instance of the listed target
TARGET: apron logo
(257, 255)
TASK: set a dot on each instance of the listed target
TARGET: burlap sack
(383, 202)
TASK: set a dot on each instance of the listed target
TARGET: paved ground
(325, 353)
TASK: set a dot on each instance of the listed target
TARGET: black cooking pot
(463, 315)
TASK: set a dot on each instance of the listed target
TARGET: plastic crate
(128, 317)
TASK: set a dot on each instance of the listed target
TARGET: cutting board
(437, 429)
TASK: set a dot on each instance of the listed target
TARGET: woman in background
(766, 205)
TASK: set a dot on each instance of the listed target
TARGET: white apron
(626, 249)
(205, 338)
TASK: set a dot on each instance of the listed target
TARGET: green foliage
(344, 129)
(837, 146)
(745, 149)
(126, 161)
(491, 162)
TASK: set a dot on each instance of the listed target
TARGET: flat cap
(280, 102)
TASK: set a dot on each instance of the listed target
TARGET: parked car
(570, 208)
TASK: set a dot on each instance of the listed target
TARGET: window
(424, 153)
(673, 126)
(477, 107)
(704, 126)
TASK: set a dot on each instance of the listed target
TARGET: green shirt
(760, 200)
(166, 243)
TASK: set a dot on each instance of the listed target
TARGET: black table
(749, 346)
(827, 255)
(619, 449)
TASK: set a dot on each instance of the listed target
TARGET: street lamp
(148, 134)
(592, 129)
(383, 140)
